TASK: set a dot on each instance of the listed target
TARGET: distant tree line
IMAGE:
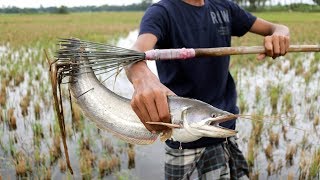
(64, 10)
(252, 5)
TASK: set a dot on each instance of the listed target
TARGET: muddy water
(36, 86)
(295, 128)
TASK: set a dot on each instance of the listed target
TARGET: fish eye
(213, 115)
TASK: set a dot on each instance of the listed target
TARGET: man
(196, 24)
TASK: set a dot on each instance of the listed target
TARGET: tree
(62, 10)
(317, 1)
(145, 4)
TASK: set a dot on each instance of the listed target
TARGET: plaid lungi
(220, 161)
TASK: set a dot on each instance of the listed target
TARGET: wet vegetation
(280, 96)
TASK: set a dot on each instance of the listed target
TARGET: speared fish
(191, 119)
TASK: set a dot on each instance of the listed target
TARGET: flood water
(282, 91)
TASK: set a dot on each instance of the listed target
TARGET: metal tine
(98, 54)
(96, 70)
(106, 61)
(94, 49)
(101, 58)
(103, 50)
(100, 62)
(87, 65)
(95, 43)
(95, 67)
(115, 59)
(98, 45)
(88, 50)
(103, 67)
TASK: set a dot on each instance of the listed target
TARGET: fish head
(199, 119)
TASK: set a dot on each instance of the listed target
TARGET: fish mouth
(210, 127)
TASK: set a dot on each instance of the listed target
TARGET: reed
(290, 176)
(315, 165)
(12, 121)
(299, 69)
(269, 152)
(1, 116)
(242, 105)
(24, 104)
(274, 138)
(257, 126)
(257, 94)
(290, 153)
(287, 102)
(37, 156)
(274, 94)
(270, 168)
(254, 175)
(62, 165)
(279, 167)
(103, 167)
(87, 158)
(38, 134)
(55, 151)
(307, 76)
(3, 95)
(316, 120)
(37, 110)
(251, 153)
(76, 117)
(304, 165)
(107, 145)
(131, 156)
(114, 163)
(21, 165)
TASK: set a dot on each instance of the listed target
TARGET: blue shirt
(177, 24)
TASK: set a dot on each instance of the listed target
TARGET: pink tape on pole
(170, 54)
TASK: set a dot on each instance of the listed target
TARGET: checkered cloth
(220, 161)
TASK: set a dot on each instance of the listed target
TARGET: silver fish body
(113, 113)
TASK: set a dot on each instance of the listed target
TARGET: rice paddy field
(281, 97)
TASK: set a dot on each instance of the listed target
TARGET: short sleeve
(242, 20)
(155, 21)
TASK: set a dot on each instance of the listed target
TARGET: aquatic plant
(251, 153)
(12, 121)
(37, 110)
(287, 102)
(290, 152)
(274, 94)
(315, 165)
(269, 152)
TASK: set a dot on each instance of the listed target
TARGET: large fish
(190, 119)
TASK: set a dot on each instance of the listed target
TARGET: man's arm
(149, 100)
(276, 39)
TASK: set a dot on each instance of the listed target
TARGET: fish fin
(165, 135)
(170, 125)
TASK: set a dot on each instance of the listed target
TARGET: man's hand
(276, 45)
(276, 40)
(149, 100)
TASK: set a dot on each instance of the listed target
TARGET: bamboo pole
(223, 51)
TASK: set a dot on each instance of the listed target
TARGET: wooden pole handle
(223, 51)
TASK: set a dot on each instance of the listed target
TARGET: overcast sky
(72, 3)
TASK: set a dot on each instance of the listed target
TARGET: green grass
(44, 29)
(28, 30)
